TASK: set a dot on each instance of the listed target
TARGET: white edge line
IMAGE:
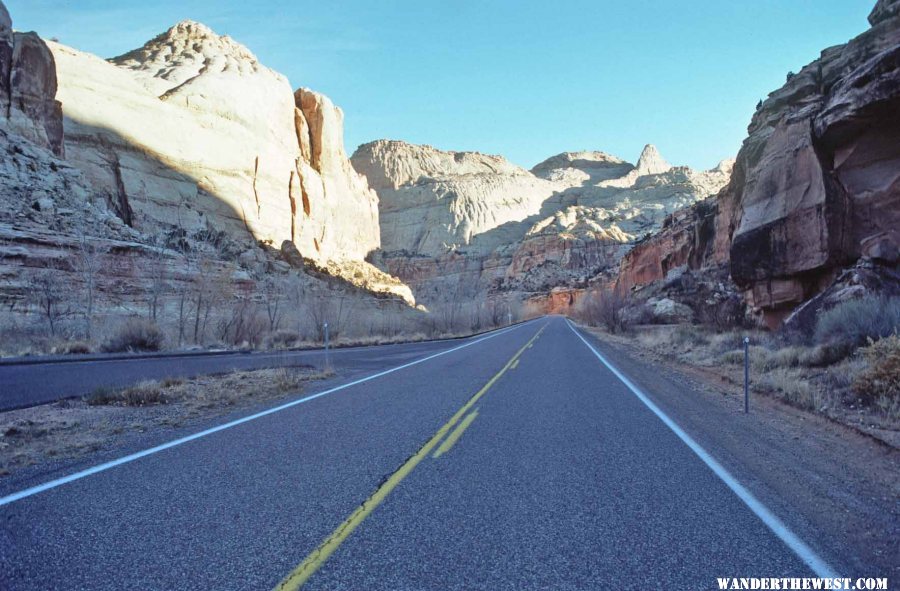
(791, 540)
(141, 454)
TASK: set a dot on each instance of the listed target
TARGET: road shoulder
(839, 490)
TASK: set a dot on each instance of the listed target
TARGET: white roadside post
(746, 375)
(327, 358)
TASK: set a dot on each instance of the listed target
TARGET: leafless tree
(273, 293)
(296, 293)
(157, 275)
(242, 322)
(336, 310)
(210, 286)
(88, 261)
(604, 307)
(46, 288)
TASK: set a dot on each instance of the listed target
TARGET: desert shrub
(282, 339)
(792, 387)
(722, 315)
(604, 308)
(146, 393)
(825, 355)
(101, 396)
(881, 378)
(135, 335)
(733, 357)
(723, 342)
(786, 357)
(72, 348)
(854, 322)
(689, 336)
(286, 379)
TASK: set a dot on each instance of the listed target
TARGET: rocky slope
(464, 222)
(815, 189)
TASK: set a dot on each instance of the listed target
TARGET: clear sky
(526, 79)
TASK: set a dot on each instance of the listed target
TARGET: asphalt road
(497, 465)
(31, 384)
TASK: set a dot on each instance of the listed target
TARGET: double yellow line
(317, 558)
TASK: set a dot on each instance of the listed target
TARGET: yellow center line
(317, 558)
(457, 433)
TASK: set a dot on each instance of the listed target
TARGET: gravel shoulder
(835, 486)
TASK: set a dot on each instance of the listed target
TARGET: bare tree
(336, 310)
(88, 261)
(296, 295)
(157, 275)
(45, 287)
(604, 307)
(210, 286)
(273, 292)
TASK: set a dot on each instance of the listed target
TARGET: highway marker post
(746, 375)
(327, 357)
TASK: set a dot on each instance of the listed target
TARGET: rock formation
(816, 185)
(28, 87)
(183, 158)
(191, 130)
(464, 221)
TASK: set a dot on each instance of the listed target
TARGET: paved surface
(30, 384)
(562, 479)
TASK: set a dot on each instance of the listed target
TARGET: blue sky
(525, 79)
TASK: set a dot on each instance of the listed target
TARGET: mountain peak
(187, 40)
(652, 162)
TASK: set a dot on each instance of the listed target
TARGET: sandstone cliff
(455, 222)
(191, 130)
(27, 88)
(178, 180)
(816, 185)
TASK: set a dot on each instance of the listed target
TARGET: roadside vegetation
(847, 367)
(71, 428)
(192, 290)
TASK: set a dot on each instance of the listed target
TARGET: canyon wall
(180, 161)
(191, 129)
(816, 185)
(470, 225)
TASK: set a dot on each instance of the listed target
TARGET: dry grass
(71, 428)
(859, 390)
(146, 393)
(879, 382)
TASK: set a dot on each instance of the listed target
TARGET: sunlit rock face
(191, 130)
(816, 185)
(452, 219)
(28, 87)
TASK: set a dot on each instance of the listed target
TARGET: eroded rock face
(28, 88)
(191, 130)
(452, 218)
(821, 172)
(815, 187)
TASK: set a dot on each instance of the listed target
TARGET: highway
(29, 384)
(515, 460)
